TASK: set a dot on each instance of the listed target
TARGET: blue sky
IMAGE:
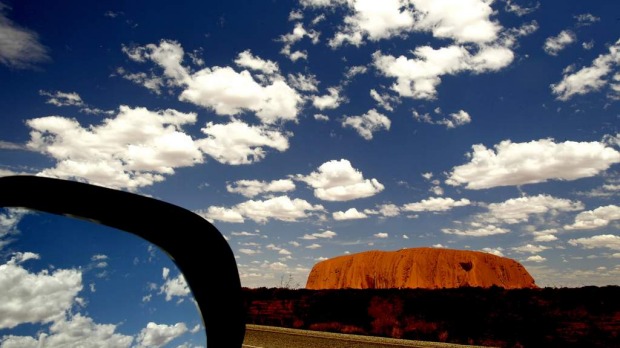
(310, 129)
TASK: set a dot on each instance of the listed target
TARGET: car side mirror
(196, 247)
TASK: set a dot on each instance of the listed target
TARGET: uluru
(429, 268)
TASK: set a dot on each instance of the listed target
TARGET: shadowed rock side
(429, 268)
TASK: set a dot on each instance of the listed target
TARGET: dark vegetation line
(550, 317)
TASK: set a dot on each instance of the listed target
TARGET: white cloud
(373, 20)
(547, 235)
(586, 19)
(313, 246)
(350, 214)
(381, 235)
(436, 204)
(536, 258)
(389, 210)
(355, 70)
(463, 21)
(520, 10)
(295, 15)
(35, 297)
(321, 117)
(222, 89)
(517, 210)
(249, 251)
(533, 162)
(588, 79)
(384, 100)
(337, 180)
(9, 220)
(149, 81)
(214, 213)
(419, 77)
(609, 241)
(368, 123)
(299, 32)
(278, 208)
(158, 335)
(454, 120)
(494, 251)
(174, 287)
(240, 143)
(306, 83)
(477, 231)
(325, 234)
(19, 47)
(59, 98)
(247, 60)
(251, 188)
(530, 248)
(554, 44)
(597, 218)
(328, 101)
(72, 332)
(134, 149)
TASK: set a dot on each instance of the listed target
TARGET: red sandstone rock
(430, 268)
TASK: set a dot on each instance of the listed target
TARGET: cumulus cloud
(328, 101)
(298, 33)
(477, 231)
(597, 218)
(278, 208)
(237, 142)
(436, 204)
(59, 98)
(589, 79)
(381, 235)
(222, 89)
(554, 44)
(350, 214)
(134, 149)
(520, 10)
(536, 258)
(325, 234)
(75, 331)
(530, 248)
(214, 213)
(306, 83)
(174, 287)
(19, 47)
(35, 298)
(246, 59)
(517, 210)
(384, 100)
(454, 120)
(419, 77)
(158, 335)
(533, 162)
(547, 235)
(368, 123)
(463, 21)
(337, 180)
(251, 188)
(609, 241)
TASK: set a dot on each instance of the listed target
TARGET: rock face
(430, 268)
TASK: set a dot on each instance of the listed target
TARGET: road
(274, 337)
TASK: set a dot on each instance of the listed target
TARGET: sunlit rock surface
(430, 268)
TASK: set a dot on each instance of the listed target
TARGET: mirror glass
(69, 282)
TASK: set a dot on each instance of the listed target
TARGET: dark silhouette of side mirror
(196, 247)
